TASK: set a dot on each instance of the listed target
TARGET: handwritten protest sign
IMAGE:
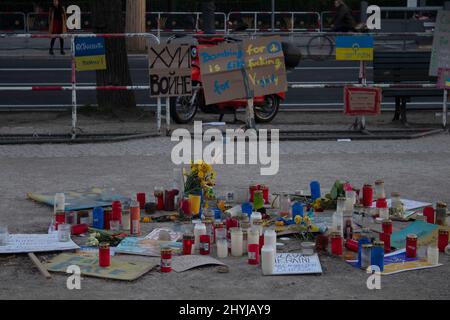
(440, 55)
(362, 101)
(296, 263)
(243, 70)
(23, 243)
(170, 70)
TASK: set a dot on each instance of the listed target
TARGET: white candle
(433, 255)
(267, 259)
(222, 248)
(270, 238)
(59, 202)
(236, 242)
(255, 216)
(253, 236)
(199, 230)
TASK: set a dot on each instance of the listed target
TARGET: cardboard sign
(444, 78)
(120, 268)
(354, 48)
(440, 55)
(243, 70)
(23, 243)
(296, 263)
(362, 101)
(170, 70)
(90, 54)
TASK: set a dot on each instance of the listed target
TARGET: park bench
(407, 67)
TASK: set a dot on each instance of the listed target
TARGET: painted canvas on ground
(397, 262)
(424, 231)
(81, 199)
(145, 247)
(120, 269)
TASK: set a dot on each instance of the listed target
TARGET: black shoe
(63, 52)
(51, 52)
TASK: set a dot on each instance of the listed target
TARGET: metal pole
(158, 115)
(445, 109)
(273, 15)
(167, 116)
(74, 89)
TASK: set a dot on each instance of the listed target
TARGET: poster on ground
(440, 54)
(170, 70)
(24, 243)
(296, 263)
(243, 70)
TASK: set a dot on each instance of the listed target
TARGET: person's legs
(61, 45)
(52, 44)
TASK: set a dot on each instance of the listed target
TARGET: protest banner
(170, 70)
(243, 70)
(90, 54)
(362, 101)
(440, 54)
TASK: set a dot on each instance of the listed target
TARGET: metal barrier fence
(12, 22)
(74, 87)
(284, 21)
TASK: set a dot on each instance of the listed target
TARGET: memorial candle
(236, 242)
(267, 260)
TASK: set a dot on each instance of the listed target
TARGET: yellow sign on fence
(358, 48)
(91, 63)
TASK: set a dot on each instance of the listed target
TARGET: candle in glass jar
(188, 241)
(366, 255)
(367, 195)
(428, 212)
(245, 240)
(253, 254)
(166, 260)
(199, 230)
(386, 239)
(253, 236)
(442, 240)
(270, 238)
(411, 246)
(441, 213)
(204, 244)
(340, 206)
(336, 244)
(104, 257)
(222, 248)
(236, 242)
(267, 260)
(387, 226)
(433, 255)
(379, 189)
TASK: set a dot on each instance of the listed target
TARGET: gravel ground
(419, 169)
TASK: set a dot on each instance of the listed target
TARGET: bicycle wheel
(320, 48)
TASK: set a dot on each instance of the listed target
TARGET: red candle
(117, 211)
(231, 223)
(411, 246)
(261, 242)
(104, 257)
(336, 244)
(387, 226)
(367, 196)
(188, 241)
(443, 240)
(428, 212)
(204, 244)
(79, 229)
(60, 218)
(166, 260)
(107, 218)
(253, 254)
(352, 245)
(386, 238)
(140, 197)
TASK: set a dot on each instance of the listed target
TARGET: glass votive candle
(236, 242)
(221, 233)
(4, 235)
(64, 232)
(433, 255)
(222, 248)
(188, 242)
(308, 248)
(340, 206)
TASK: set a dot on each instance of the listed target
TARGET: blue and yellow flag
(354, 48)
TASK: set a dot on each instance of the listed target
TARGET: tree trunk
(136, 24)
(107, 17)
